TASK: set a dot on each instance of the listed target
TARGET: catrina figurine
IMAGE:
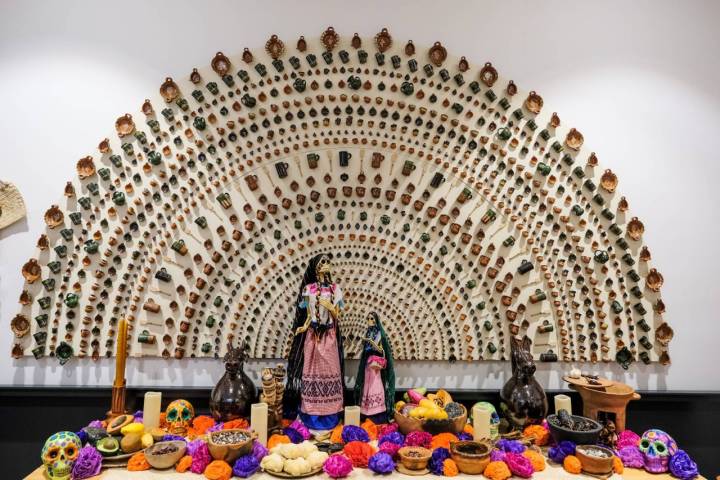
(375, 381)
(316, 371)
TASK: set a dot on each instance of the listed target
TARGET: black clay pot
(523, 399)
(587, 437)
(235, 392)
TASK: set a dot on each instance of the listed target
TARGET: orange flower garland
(572, 464)
(536, 459)
(618, 466)
(442, 440)
(497, 471)
(277, 439)
(138, 463)
(450, 469)
(542, 436)
(201, 423)
(336, 435)
(184, 464)
(218, 470)
(371, 429)
(237, 423)
(359, 453)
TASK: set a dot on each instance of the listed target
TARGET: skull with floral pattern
(179, 416)
(494, 418)
(59, 454)
(657, 447)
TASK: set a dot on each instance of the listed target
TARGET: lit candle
(562, 402)
(259, 421)
(352, 415)
(481, 423)
(151, 410)
(121, 354)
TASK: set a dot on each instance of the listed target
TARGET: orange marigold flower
(442, 440)
(572, 464)
(497, 471)
(201, 423)
(536, 459)
(618, 466)
(277, 439)
(468, 429)
(450, 469)
(371, 429)
(184, 464)
(336, 435)
(237, 423)
(138, 462)
(218, 470)
(542, 436)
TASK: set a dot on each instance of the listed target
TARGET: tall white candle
(563, 402)
(481, 423)
(151, 410)
(259, 421)
(352, 415)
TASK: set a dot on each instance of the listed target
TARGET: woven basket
(12, 207)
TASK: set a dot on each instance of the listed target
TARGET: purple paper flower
(558, 453)
(246, 466)
(352, 433)
(439, 455)
(682, 466)
(258, 450)
(138, 416)
(512, 446)
(293, 435)
(464, 436)
(172, 438)
(88, 463)
(390, 448)
(216, 428)
(83, 436)
(627, 438)
(338, 466)
(382, 463)
(393, 437)
(200, 456)
(497, 455)
(418, 439)
(302, 429)
(96, 424)
(519, 465)
(631, 457)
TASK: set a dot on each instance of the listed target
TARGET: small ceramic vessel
(488, 74)
(31, 271)
(608, 181)
(383, 40)
(654, 280)
(437, 54)
(329, 39)
(534, 102)
(124, 125)
(635, 228)
(54, 217)
(220, 64)
(169, 90)
(85, 167)
(275, 47)
(574, 139)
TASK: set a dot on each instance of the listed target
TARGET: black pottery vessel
(235, 392)
(523, 399)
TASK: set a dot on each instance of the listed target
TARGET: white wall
(641, 79)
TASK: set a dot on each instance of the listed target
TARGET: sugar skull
(657, 447)
(179, 416)
(494, 418)
(59, 454)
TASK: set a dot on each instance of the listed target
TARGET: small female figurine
(375, 381)
(316, 371)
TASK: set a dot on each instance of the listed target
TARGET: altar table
(552, 472)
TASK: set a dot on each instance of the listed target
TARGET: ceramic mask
(657, 447)
(59, 454)
(494, 418)
(179, 416)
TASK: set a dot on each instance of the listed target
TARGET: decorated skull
(494, 418)
(59, 454)
(179, 416)
(657, 447)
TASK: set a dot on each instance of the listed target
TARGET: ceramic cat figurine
(523, 399)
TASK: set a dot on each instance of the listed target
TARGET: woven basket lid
(12, 206)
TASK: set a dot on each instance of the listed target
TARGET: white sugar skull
(494, 418)
(59, 454)
(657, 447)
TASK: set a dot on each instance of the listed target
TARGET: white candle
(562, 402)
(259, 421)
(481, 423)
(352, 415)
(151, 410)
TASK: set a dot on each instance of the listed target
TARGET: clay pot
(470, 457)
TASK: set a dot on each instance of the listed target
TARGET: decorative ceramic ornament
(59, 454)
(657, 447)
(235, 392)
(179, 416)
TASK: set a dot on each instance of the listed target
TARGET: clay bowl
(470, 457)
(599, 464)
(561, 433)
(414, 458)
(452, 425)
(229, 452)
(163, 455)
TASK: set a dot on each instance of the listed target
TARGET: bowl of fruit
(434, 413)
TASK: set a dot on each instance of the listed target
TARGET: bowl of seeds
(164, 455)
(229, 445)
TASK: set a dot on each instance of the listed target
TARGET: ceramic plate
(287, 475)
(582, 382)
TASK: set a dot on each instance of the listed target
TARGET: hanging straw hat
(12, 207)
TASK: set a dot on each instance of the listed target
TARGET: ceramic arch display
(456, 205)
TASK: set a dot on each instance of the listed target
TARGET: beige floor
(550, 473)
